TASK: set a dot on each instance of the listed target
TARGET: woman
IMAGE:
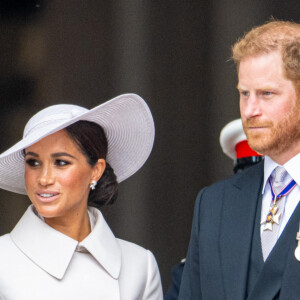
(62, 248)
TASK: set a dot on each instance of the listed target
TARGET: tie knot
(279, 174)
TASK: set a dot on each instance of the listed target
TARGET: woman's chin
(47, 211)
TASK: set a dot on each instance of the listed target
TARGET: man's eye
(244, 93)
(32, 162)
(61, 163)
(267, 93)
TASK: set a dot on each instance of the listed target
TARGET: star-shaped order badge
(271, 218)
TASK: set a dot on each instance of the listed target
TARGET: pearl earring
(93, 184)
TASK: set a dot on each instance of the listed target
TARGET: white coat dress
(39, 263)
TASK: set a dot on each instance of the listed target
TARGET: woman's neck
(76, 226)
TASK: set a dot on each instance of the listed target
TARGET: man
(234, 144)
(244, 230)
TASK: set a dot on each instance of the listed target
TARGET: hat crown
(52, 115)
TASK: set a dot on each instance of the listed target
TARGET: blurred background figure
(234, 144)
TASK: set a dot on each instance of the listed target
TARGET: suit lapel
(237, 224)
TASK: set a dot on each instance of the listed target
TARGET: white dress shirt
(39, 263)
(291, 200)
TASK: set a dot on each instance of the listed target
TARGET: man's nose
(251, 107)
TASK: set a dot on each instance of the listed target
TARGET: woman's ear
(98, 169)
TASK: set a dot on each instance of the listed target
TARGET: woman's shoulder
(139, 272)
(5, 241)
(7, 251)
(133, 249)
(135, 254)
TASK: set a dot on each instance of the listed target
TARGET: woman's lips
(47, 196)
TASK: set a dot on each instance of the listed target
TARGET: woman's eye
(61, 163)
(32, 162)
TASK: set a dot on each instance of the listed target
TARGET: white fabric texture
(38, 262)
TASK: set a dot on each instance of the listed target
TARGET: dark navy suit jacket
(173, 291)
(220, 247)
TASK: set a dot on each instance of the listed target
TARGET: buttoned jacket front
(38, 262)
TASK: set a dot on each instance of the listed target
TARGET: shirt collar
(52, 251)
(269, 166)
(292, 167)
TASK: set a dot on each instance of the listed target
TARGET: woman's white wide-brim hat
(126, 120)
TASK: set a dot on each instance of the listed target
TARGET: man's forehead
(265, 65)
(262, 55)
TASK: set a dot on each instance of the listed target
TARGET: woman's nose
(46, 177)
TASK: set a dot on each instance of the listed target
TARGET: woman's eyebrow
(31, 153)
(58, 154)
(54, 155)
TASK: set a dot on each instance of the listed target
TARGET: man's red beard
(275, 138)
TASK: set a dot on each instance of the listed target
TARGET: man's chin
(258, 145)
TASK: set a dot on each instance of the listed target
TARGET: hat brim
(129, 127)
(230, 135)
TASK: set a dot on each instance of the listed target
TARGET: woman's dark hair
(91, 140)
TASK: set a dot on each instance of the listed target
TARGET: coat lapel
(237, 225)
(53, 251)
(103, 245)
(36, 240)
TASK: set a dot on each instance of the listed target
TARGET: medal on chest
(273, 216)
(297, 250)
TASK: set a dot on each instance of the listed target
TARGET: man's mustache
(256, 123)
